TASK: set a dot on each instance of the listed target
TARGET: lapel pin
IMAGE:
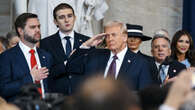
(43, 57)
(174, 70)
(129, 61)
(80, 40)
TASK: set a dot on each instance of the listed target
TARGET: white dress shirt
(25, 50)
(119, 62)
(63, 40)
(136, 51)
(166, 107)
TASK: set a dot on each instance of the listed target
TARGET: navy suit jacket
(134, 71)
(60, 82)
(174, 68)
(144, 55)
(14, 71)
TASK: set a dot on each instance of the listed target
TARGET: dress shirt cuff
(166, 107)
(84, 47)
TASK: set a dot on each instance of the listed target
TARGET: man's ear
(20, 31)
(55, 22)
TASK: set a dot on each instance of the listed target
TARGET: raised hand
(95, 40)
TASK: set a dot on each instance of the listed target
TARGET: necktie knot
(32, 51)
(115, 57)
(67, 37)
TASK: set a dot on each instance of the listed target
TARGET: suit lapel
(139, 53)
(42, 58)
(22, 60)
(58, 48)
(104, 61)
(171, 71)
(77, 40)
(21, 63)
(44, 63)
(155, 72)
(126, 64)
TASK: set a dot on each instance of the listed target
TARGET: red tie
(33, 62)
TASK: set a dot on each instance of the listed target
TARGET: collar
(136, 51)
(25, 48)
(121, 54)
(157, 64)
(62, 35)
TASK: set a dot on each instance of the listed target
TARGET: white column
(20, 6)
(39, 7)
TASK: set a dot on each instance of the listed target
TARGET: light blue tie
(162, 72)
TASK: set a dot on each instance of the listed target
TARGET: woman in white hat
(135, 38)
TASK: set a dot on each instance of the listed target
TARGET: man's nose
(160, 48)
(66, 19)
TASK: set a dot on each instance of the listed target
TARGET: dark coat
(14, 71)
(134, 71)
(60, 82)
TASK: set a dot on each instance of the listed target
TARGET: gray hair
(163, 32)
(116, 23)
(156, 36)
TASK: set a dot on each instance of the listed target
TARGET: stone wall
(152, 14)
(5, 19)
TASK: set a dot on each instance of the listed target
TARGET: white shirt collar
(26, 49)
(62, 35)
(119, 62)
(157, 64)
(121, 54)
(136, 51)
